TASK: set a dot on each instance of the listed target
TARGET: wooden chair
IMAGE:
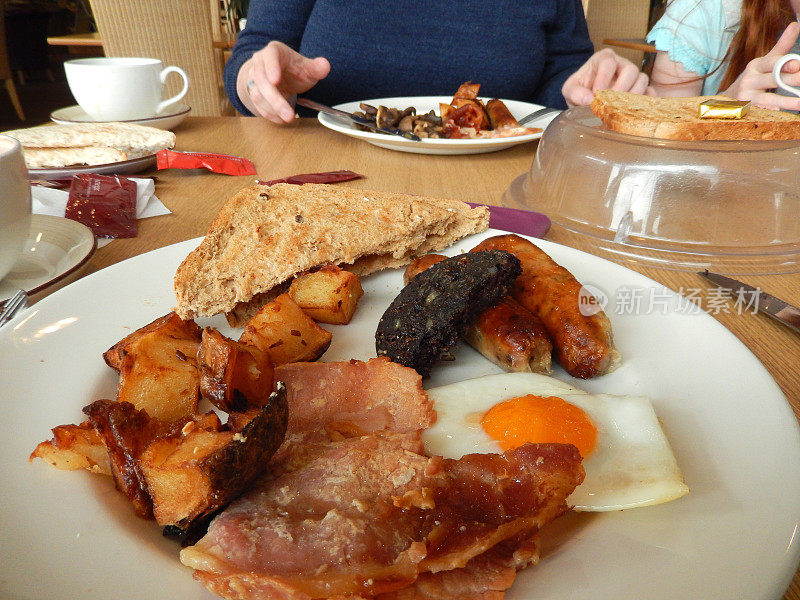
(177, 32)
(618, 19)
(5, 67)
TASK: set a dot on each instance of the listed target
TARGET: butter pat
(724, 109)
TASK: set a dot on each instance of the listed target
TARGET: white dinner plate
(172, 116)
(123, 167)
(54, 249)
(433, 146)
(70, 535)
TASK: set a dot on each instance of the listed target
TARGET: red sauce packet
(327, 177)
(106, 204)
(216, 163)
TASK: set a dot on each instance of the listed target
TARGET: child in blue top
(727, 47)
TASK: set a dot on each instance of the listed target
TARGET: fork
(17, 302)
(538, 114)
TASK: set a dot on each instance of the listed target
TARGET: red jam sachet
(327, 177)
(104, 203)
(216, 163)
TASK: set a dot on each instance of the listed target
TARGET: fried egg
(626, 455)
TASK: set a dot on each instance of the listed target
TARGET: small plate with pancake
(125, 167)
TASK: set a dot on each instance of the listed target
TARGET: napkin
(50, 201)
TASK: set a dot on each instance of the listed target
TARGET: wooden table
(195, 196)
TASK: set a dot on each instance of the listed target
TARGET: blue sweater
(516, 49)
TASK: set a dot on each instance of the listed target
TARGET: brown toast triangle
(265, 235)
(678, 119)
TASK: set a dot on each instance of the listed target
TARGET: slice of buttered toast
(678, 119)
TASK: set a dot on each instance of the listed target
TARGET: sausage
(584, 344)
(506, 333)
(499, 115)
(512, 337)
(418, 265)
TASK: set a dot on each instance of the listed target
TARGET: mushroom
(368, 109)
(407, 123)
(387, 117)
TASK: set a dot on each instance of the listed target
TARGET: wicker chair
(177, 32)
(5, 68)
(617, 19)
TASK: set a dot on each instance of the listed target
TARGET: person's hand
(273, 75)
(756, 81)
(605, 70)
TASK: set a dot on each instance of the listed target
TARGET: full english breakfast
(466, 116)
(289, 477)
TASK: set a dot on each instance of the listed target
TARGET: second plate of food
(424, 104)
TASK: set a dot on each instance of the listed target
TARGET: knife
(356, 119)
(761, 301)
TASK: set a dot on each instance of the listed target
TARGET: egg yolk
(538, 420)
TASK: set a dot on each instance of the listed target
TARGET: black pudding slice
(423, 323)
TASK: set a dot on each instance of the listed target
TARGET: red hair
(761, 25)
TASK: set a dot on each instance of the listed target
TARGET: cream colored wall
(617, 19)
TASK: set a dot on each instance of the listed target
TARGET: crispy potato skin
(327, 295)
(286, 333)
(233, 376)
(183, 471)
(125, 431)
(583, 344)
(192, 473)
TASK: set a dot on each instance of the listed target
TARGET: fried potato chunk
(182, 472)
(75, 447)
(328, 295)
(233, 376)
(158, 368)
(286, 333)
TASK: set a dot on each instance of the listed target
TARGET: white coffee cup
(776, 72)
(121, 89)
(15, 203)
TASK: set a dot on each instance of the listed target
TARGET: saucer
(55, 248)
(171, 117)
